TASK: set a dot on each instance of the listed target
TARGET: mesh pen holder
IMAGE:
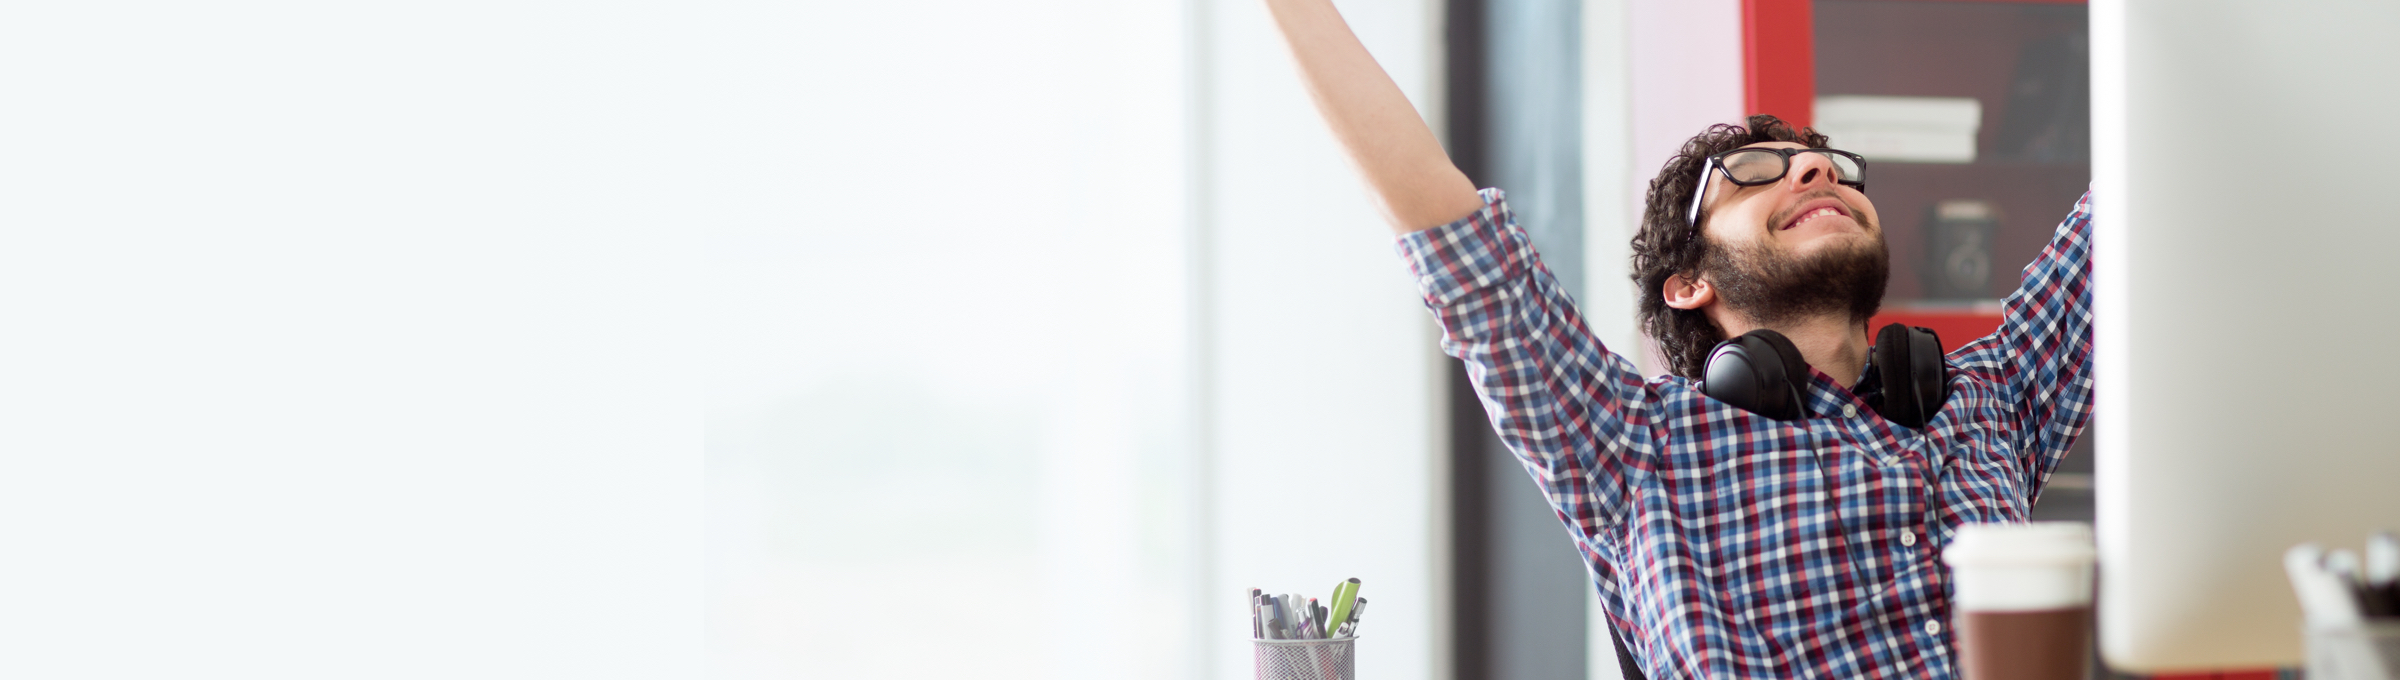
(1330, 659)
(2366, 652)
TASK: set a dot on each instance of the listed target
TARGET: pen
(1258, 628)
(1357, 612)
(1294, 622)
(1308, 616)
(1316, 619)
(1299, 616)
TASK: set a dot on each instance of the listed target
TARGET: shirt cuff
(1457, 259)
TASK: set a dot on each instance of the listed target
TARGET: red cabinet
(1974, 118)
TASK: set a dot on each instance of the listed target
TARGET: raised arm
(1412, 179)
(2042, 352)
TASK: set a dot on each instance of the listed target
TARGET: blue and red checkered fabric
(1728, 545)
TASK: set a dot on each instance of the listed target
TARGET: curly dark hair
(1667, 246)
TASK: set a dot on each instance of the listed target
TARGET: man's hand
(1413, 180)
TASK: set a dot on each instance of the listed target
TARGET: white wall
(1684, 66)
(1612, 214)
(1085, 323)
(1612, 184)
(948, 428)
(356, 341)
(350, 340)
(1320, 364)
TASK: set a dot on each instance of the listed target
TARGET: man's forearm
(1412, 179)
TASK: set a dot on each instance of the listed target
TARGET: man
(1727, 544)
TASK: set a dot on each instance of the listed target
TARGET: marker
(1345, 596)
(1290, 615)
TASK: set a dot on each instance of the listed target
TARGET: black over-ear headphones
(1762, 372)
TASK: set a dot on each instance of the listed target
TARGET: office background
(1093, 328)
(1014, 339)
(760, 339)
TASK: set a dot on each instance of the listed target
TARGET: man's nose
(1810, 170)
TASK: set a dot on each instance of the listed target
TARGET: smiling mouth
(1813, 214)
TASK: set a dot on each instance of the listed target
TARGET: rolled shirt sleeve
(1576, 415)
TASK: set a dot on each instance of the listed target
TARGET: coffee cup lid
(2027, 544)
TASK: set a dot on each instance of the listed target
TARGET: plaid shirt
(1729, 545)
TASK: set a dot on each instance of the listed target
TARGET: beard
(1772, 286)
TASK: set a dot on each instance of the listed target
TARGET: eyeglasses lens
(1762, 166)
(1752, 167)
(1847, 166)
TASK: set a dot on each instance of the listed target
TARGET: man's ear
(1688, 292)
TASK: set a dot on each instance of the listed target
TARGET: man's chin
(1830, 242)
(1832, 274)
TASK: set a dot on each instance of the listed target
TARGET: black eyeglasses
(1751, 167)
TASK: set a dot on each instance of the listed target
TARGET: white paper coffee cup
(2021, 567)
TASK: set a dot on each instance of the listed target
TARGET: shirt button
(1933, 628)
(1849, 411)
(1908, 537)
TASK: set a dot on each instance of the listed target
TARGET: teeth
(1813, 214)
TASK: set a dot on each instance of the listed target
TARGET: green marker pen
(1344, 594)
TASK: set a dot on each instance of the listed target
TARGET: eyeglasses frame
(1691, 217)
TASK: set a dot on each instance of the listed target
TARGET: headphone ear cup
(1929, 374)
(1915, 380)
(1755, 372)
(1894, 353)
